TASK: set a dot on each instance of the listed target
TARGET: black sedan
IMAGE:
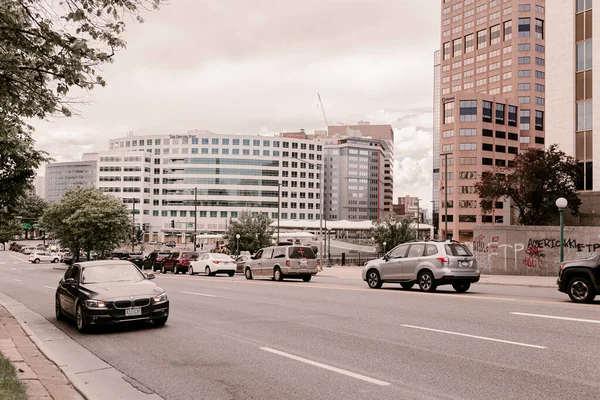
(107, 292)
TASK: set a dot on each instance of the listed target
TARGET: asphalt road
(334, 338)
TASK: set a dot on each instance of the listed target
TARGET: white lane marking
(200, 294)
(475, 337)
(16, 258)
(18, 280)
(29, 268)
(49, 287)
(327, 367)
(591, 321)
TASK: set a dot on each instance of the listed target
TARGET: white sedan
(213, 263)
(39, 256)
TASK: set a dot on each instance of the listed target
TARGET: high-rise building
(63, 176)
(437, 102)
(492, 100)
(572, 85)
(384, 133)
(354, 179)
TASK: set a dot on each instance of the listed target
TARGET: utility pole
(133, 236)
(278, 209)
(445, 194)
(195, 216)
(418, 217)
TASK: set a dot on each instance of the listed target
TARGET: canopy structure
(313, 225)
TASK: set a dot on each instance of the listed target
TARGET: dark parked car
(241, 262)
(178, 262)
(136, 258)
(154, 260)
(170, 244)
(107, 292)
(68, 259)
(580, 279)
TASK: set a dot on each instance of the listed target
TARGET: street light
(384, 243)
(237, 250)
(561, 203)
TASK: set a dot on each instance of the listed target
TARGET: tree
(89, 220)
(31, 208)
(255, 232)
(9, 228)
(534, 182)
(393, 230)
(47, 48)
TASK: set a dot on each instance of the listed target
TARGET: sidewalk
(511, 280)
(41, 376)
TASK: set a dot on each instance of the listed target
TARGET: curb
(91, 376)
(517, 284)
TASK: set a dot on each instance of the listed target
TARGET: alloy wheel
(191, 270)
(373, 279)
(579, 290)
(207, 271)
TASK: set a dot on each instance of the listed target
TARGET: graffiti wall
(530, 250)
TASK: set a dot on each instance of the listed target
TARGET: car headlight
(161, 298)
(95, 304)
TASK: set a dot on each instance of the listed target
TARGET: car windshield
(111, 273)
(302, 252)
(458, 250)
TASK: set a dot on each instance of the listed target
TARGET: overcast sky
(255, 66)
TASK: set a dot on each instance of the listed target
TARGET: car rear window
(302, 252)
(189, 255)
(457, 250)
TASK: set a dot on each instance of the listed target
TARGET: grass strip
(11, 388)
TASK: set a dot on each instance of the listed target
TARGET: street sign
(26, 226)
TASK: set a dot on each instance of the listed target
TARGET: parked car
(28, 250)
(136, 258)
(118, 255)
(154, 260)
(171, 244)
(108, 292)
(282, 262)
(69, 259)
(580, 279)
(241, 263)
(428, 264)
(179, 262)
(40, 256)
(213, 263)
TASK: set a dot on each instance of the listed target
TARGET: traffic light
(172, 223)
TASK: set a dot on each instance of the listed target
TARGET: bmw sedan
(108, 292)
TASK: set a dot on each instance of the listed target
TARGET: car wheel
(163, 270)
(160, 321)
(231, 274)
(427, 282)
(54, 260)
(277, 275)
(407, 286)
(36, 261)
(307, 278)
(248, 274)
(175, 270)
(461, 287)
(373, 279)
(80, 319)
(207, 271)
(190, 270)
(58, 310)
(580, 290)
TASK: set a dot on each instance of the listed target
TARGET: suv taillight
(287, 262)
(443, 260)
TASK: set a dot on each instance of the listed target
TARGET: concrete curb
(91, 376)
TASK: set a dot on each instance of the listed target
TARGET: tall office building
(63, 176)
(492, 100)
(437, 102)
(572, 85)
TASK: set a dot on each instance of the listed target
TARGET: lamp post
(561, 203)
(418, 216)
(278, 209)
(329, 250)
(384, 243)
(195, 217)
(237, 248)
(133, 218)
(445, 194)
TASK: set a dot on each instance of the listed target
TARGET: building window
(524, 60)
(457, 47)
(447, 148)
(487, 147)
(539, 61)
(583, 5)
(524, 7)
(507, 30)
(524, 46)
(487, 111)
(487, 161)
(469, 43)
(524, 73)
(539, 28)
(584, 55)
(540, 74)
(500, 114)
(500, 135)
(539, 140)
(539, 120)
(540, 101)
(467, 146)
(524, 27)
(487, 132)
(500, 163)
(449, 113)
(468, 110)
(524, 120)
(482, 39)
(495, 34)
(539, 87)
(500, 148)
(468, 132)
(539, 48)
(524, 99)
(512, 116)
(513, 136)
(524, 86)
(584, 115)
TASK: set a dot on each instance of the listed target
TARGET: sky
(256, 66)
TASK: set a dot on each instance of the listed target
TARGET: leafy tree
(533, 183)
(47, 48)
(9, 228)
(89, 220)
(255, 232)
(393, 230)
(30, 208)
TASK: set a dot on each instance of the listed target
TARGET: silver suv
(429, 264)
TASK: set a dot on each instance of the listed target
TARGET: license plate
(303, 264)
(131, 312)
(464, 263)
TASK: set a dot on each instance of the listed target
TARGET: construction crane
(323, 109)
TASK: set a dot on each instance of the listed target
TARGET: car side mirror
(150, 275)
(70, 281)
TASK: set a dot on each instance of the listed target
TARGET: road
(334, 338)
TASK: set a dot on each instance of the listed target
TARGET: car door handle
(420, 260)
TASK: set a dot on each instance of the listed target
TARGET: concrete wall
(530, 250)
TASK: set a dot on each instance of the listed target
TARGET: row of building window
(217, 141)
(473, 218)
